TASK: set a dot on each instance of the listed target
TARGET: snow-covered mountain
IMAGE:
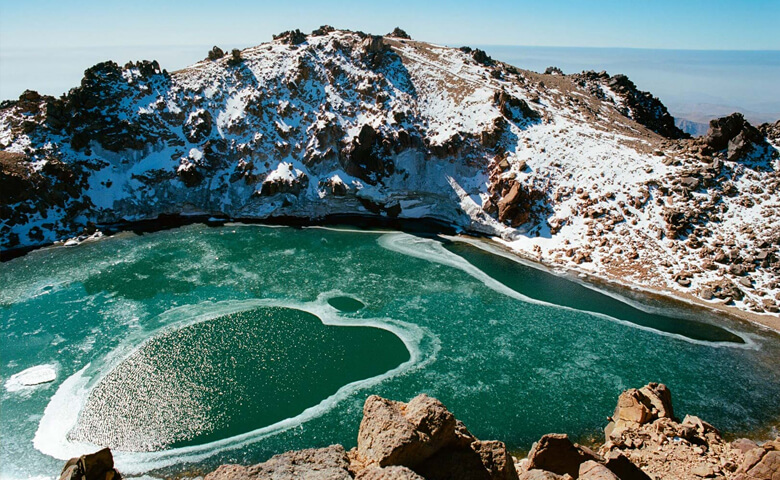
(577, 170)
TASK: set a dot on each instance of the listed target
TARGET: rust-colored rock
(329, 463)
(762, 463)
(556, 453)
(591, 470)
(388, 473)
(637, 407)
(393, 433)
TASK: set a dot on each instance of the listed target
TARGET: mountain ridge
(582, 171)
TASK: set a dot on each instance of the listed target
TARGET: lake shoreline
(425, 226)
(769, 322)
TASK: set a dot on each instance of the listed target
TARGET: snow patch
(31, 377)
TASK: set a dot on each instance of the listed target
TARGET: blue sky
(677, 24)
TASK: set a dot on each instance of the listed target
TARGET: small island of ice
(31, 377)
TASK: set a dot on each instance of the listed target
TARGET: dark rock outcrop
(552, 70)
(398, 33)
(323, 30)
(513, 108)
(95, 466)
(638, 105)
(365, 156)
(479, 56)
(291, 37)
(557, 454)
(373, 44)
(513, 202)
(733, 134)
(215, 53)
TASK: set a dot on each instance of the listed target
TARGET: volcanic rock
(762, 463)
(329, 463)
(425, 437)
(638, 105)
(591, 470)
(638, 407)
(557, 454)
(393, 433)
(398, 33)
(291, 37)
(388, 473)
(95, 466)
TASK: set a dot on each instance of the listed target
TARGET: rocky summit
(583, 171)
(423, 440)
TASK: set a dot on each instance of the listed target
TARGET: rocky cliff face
(577, 170)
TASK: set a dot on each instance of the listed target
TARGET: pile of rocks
(644, 429)
(416, 440)
(423, 440)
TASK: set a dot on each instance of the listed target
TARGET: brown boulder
(329, 463)
(454, 464)
(497, 461)
(424, 436)
(394, 433)
(623, 468)
(637, 407)
(556, 453)
(542, 475)
(516, 205)
(762, 463)
(744, 445)
(95, 466)
(388, 473)
(724, 289)
(487, 460)
(591, 470)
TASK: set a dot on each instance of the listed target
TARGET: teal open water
(188, 348)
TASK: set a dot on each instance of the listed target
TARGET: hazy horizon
(694, 84)
(46, 45)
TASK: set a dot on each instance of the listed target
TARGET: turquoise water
(228, 376)
(234, 343)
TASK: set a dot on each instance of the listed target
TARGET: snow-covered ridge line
(577, 170)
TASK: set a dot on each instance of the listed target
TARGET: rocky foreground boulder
(423, 440)
(94, 466)
(416, 440)
(645, 430)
